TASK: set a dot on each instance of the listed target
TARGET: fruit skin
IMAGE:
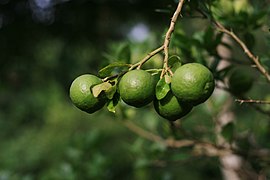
(193, 83)
(171, 108)
(240, 81)
(137, 88)
(81, 95)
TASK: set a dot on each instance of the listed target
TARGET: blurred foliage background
(45, 44)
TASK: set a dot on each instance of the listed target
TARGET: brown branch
(138, 64)
(241, 101)
(251, 56)
(155, 138)
(146, 58)
(165, 46)
(201, 148)
(141, 132)
(169, 34)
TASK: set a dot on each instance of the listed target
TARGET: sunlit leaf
(110, 92)
(97, 89)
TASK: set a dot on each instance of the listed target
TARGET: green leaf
(111, 105)
(162, 88)
(111, 91)
(174, 62)
(124, 53)
(113, 68)
(228, 132)
(97, 89)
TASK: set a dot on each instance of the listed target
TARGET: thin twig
(255, 104)
(146, 58)
(241, 101)
(251, 56)
(153, 137)
(165, 46)
(141, 132)
(169, 34)
(202, 148)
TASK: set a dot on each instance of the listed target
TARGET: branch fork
(165, 46)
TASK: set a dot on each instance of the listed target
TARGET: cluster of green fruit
(173, 96)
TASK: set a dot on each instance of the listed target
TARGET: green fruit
(240, 81)
(137, 88)
(81, 94)
(193, 83)
(171, 108)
